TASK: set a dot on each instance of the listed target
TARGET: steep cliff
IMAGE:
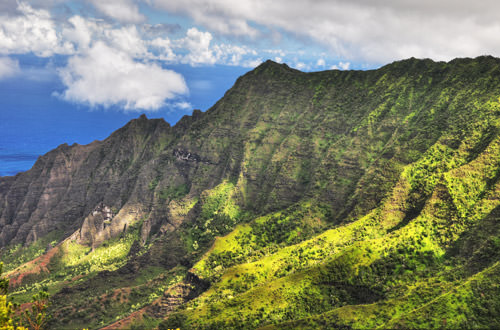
(317, 191)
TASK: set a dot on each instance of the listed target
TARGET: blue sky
(74, 71)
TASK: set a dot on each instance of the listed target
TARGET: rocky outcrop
(65, 185)
(46, 198)
(177, 295)
(184, 155)
(96, 226)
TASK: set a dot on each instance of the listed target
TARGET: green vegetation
(413, 261)
(218, 216)
(176, 192)
(263, 236)
(84, 275)
(17, 255)
(344, 199)
(35, 318)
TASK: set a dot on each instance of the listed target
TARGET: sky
(75, 71)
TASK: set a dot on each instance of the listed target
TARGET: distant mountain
(345, 199)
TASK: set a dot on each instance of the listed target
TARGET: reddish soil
(35, 266)
(126, 322)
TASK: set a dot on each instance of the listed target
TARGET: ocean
(34, 121)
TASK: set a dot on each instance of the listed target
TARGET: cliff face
(288, 154)
(279, 134)
(65, 185)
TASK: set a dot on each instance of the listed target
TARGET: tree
(6, 307)
(37, 318)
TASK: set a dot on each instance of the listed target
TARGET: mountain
(352, 199)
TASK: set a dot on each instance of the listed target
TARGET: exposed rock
(95, 224)
(177, 295)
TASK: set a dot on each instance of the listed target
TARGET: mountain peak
(271, 63)
(270, 66)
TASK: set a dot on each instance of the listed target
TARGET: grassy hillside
(424, 257)
(353, 199)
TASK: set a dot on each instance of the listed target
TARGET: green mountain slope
(353, 199)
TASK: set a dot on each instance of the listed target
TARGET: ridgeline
(345, 199)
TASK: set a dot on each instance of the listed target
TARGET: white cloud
(125, 11)
(218, 15)
(252, 63)
(31, 31)
(300, 66)
(195, 48)
(366, 30)
(373, 32)
(127, 39)
(183, 105)
(197, 43)
(198, 49)
(83, 33)
(107, 76)
(230, 54)
(8, 67)
(341, 66)
(164, 49)
(34, 30)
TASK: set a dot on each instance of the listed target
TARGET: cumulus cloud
(182, 105)
(341, 66)
(111, 63)
(367, 30)
(370, 31)
(163, 49)
(83, 33)
(127, 39)
(252, 63)
(196, 48)
(32, 30)
(125, 11)
(107, 76)
(8, 67)
(233, 55)
(199, 50)
(197, 43)
(300, 65)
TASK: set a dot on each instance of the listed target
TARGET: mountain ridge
(326, 188)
